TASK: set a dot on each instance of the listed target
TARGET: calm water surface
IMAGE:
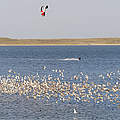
(95, 60)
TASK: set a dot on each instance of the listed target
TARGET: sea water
(30, 60)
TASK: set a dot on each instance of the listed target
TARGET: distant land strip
(52, 42)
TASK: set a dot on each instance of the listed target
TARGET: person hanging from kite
(43, 10)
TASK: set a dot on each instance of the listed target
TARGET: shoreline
(60, 42)
(59, 45)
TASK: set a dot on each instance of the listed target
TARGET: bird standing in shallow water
(75, 112)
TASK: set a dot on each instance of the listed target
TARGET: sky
(64, 19)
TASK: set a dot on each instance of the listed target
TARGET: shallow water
(20, 108)
(95, 60)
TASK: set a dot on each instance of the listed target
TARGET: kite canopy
(43, 10)
(46, 7)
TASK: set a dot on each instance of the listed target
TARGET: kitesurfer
(79, 58)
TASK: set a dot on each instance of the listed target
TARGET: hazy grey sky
(65, 18)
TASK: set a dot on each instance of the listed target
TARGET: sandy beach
(44, 42)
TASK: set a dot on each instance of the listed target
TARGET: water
(95, 60)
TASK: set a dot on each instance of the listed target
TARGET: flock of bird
(51, 88)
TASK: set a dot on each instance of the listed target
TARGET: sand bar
(45, 42)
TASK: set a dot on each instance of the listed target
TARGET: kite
(43, 10)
